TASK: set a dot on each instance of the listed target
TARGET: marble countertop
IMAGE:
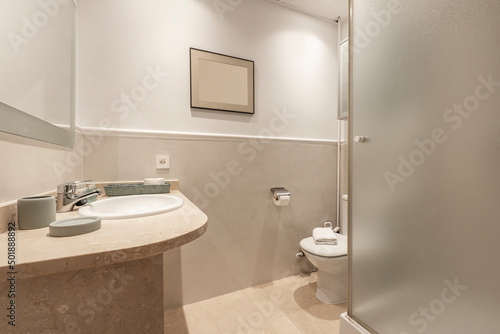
(38, 253)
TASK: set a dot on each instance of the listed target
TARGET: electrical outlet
(162, 161)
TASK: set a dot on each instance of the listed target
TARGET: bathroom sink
(131, 206)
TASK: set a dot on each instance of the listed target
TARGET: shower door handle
(359, 139)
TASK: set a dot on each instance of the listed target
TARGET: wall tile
(249, 240)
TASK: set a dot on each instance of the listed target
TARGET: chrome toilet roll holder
(279, 191)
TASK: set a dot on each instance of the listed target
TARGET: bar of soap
(74, 226)
(154, 181)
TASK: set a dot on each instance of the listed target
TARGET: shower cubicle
(424, 187)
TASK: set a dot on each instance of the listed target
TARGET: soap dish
(74, 226)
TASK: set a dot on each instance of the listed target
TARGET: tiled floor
(287, 306)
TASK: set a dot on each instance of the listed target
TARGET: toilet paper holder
(279, 191)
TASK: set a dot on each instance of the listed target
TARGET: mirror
(343, 109)
(37, 58)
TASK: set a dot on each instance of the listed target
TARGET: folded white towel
(324, 236)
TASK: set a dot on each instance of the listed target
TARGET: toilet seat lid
(340, 249)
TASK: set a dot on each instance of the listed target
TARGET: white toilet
(331, 261)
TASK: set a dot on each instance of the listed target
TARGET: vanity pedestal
(107, 281)
(117, 298)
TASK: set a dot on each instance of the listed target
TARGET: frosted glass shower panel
(425, 185)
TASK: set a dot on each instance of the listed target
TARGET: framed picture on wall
(220, 82)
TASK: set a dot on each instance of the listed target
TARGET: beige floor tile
(176, 321)
(286, 306)
(263, 302)
(282, 325)
(327, 311)
(318, 318)
(241, 311)
(292, 293)
(304, 322)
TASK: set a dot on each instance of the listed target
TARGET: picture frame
(221, 82)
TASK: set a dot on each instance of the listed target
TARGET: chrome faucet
(67, 198)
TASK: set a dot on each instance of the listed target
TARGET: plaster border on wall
(129, 133)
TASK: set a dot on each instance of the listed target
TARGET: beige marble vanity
(106, 281)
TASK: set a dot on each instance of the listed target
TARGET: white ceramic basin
(131, 206)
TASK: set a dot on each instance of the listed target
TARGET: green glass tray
(136, 189)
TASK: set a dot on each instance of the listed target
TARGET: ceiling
(327, 9)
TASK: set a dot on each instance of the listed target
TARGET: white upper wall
(121, 42)
(344, 28)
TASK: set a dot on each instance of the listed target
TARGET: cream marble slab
(8, 210)
(39, 254)
(118, 298)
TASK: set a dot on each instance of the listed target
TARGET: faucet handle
(66, 188)
(70, 187)
(84, 181)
